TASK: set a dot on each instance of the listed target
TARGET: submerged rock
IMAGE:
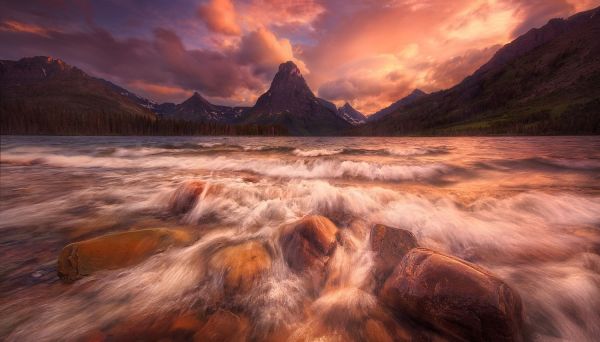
(224, 326)
(308, 243)
(242, 265)
(186, 196)
(117, 250)
(390, 245)
(459, 299)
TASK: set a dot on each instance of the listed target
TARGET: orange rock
(242, 265)
(460, 299)
(308, 243)
(117, 250)
(187, 322)
(224, 326)
(375, 331)
(390, 245)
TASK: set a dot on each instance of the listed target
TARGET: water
(528, 209)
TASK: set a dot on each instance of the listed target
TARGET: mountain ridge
(550, 86)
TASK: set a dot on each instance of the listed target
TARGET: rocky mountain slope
(47, 84)
(44, 95)
(544, 82)
(351, 115)
(198, 109)
(289, 102)
(408, 99)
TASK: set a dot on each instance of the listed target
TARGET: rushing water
(528, 209)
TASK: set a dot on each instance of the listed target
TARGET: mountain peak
(289, 67)
(196, 97)
(351, 115)
(418, 91)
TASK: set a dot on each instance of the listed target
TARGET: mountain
(546, 81)
(351, 115)
(410, 98)
(44, 95)
(290, 103)
(198, 109)
(45, 84)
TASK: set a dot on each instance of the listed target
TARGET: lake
(525, 208)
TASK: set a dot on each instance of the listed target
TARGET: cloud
(160, 92)
(220, 16)
(16, 26)
(450, 72)
(263, 13)
(263, 50)
(369, 52)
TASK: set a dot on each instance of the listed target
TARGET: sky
(369, 53)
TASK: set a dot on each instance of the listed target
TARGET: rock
(308, 243)
(390, 245)
(242, 265)
(376, 331)
(224, 326)
(185, 197)
(455, 297)
(117, 250)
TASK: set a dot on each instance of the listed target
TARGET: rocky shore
(411, 294)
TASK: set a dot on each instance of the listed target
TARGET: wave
(317, 152)
(405, 152)
(304, 169)
(544, 164)
(530, 239)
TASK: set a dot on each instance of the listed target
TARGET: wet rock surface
(117, 250)
(308, 243)
(242, 265)
(463, 301)
(390, 245)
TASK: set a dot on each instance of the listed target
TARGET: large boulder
(308, 243)
(455, 297)
(186, 196)
(117, 250)
(389, 245)
(242, 265)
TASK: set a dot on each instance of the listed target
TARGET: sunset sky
(369, 52)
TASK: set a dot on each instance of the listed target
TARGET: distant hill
(351, 115)
(408, 99)
(290, 103)
(545, 82)
(198, 109)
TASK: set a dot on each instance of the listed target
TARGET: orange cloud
(160, 91)
(16, 26)
(281, 12)
(220, 16)
(265, 51)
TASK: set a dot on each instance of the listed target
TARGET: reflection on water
(528, 209)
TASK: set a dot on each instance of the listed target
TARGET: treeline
(55, 121)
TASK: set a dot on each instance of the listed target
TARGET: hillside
(544, 82)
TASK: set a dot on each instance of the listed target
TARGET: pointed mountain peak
(289, 81)
(197, 98)
(289, 67)
(347, 106)
(418, 92)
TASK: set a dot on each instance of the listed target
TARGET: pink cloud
(220, 17)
